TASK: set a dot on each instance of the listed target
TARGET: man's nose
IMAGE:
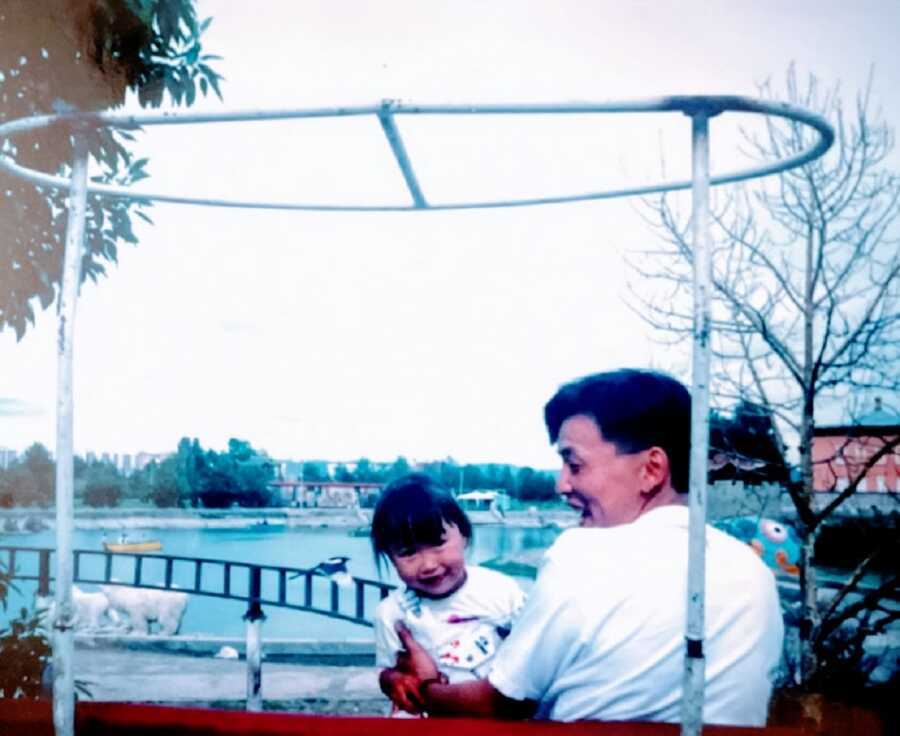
(563, 482)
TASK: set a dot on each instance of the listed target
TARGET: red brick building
(841, 452)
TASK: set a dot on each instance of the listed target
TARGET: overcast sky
(424, 334)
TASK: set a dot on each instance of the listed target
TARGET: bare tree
(806, 296)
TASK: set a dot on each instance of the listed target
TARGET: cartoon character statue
(775, 542)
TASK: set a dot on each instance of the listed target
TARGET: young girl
(459, 614)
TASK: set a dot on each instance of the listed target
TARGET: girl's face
(435, 571)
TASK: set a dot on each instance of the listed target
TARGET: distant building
(325, 493)
(7, 457)
(143, 459)
(482, 500)
(841, 452)
(282, 469)
(124, 463)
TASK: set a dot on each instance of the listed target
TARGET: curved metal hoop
(693, 106)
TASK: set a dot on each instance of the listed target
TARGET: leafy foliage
(313, 471)
(343, 474)
(30, 481)
(197, 477)
(523, 483)
(24, 649)
(162, 481)
(533, 485)
(103, 485)
(6, 584)
(62, 56)
(24, 652)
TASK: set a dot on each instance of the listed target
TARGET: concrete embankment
(315, 677)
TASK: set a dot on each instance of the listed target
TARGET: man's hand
(414, 660)
(403, 690)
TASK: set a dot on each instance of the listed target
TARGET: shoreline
(151, 518)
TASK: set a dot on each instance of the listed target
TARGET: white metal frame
(699, 108)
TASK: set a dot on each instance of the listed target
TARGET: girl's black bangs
(419, 527)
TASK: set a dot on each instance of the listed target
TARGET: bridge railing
(264, 585)
(257, 585)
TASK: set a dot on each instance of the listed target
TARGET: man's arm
(477, 699)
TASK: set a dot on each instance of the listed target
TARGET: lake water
(272, 545)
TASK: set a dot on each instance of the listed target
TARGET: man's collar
(671, 513)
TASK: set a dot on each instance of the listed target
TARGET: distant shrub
(102, 496)
(163, 497)
(218, 499)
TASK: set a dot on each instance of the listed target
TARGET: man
(601, 635)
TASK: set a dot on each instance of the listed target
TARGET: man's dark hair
(635, 410)
(412, 511)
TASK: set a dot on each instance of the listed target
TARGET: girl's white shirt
(461, 632)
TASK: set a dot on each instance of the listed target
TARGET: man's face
(597, 480)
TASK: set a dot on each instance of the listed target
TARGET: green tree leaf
(82, 56)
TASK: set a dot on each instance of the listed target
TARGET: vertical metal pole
(63, 639)
(43, 573)
(254, 662)
(694, 663)
(254, 618)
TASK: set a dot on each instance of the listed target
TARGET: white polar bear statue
(143, 606)
(89, 609)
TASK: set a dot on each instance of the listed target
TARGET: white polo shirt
(601, 635)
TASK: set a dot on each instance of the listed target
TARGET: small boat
(149, 545)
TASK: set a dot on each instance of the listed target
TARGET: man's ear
(655, 473)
